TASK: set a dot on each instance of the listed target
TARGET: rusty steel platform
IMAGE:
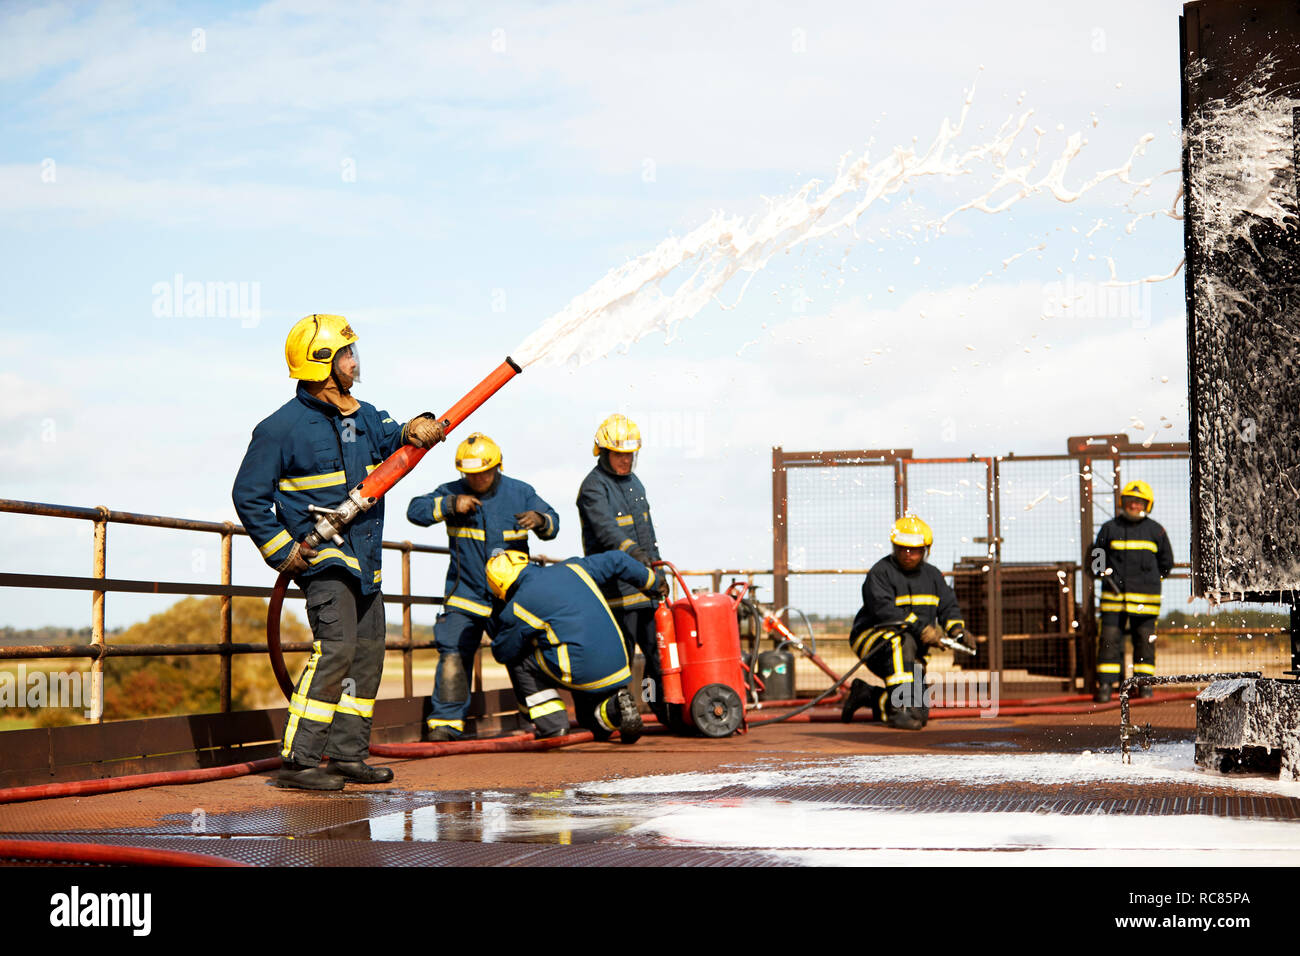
(1045, 788)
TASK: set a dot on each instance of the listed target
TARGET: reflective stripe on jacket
(558, 614)
(920, 596)
(1139, 557)
(615, 516)
(473, 537)
(307, 453)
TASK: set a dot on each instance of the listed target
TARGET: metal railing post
(408, 655)
(227, 660)
(995, 567)
(780, 555)
(100, 564)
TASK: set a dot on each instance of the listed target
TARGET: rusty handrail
(101, 651)
(99, 584)
(13, 506)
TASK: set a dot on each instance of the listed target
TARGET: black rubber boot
(359, 771)
(297, 777)
(1147, 690)
(1104, 690)
(439, 735)
(860, 695)
(629, 718)
(906, 718)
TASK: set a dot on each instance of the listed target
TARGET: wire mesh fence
(1014, 535)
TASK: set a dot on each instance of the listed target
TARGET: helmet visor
(347, 365)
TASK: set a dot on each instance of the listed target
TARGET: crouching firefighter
(554, 629)
(1138, 557)
(484, 511)
(907, 608)
(310, 452)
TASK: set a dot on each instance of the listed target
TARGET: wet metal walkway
(1039, 789)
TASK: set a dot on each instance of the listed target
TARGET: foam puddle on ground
(1166, 764)
(704, 810)
(820, 833)
(1169, 763)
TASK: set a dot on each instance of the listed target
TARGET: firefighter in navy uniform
(554, 629)
(484, 511)
(615, 516)
(907, 608)
(311, 451)
(1138, 558)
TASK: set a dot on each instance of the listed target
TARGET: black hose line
(812, 703)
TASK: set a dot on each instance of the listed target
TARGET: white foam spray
(633, 300)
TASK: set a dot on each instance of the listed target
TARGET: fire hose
(333, 521)
(772, 623)
(51, 851)
(523, 743)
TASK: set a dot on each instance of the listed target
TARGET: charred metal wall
(1241, 112)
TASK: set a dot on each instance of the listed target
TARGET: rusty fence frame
(99, 584)
(1081, 452)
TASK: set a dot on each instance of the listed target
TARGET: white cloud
(91, 195)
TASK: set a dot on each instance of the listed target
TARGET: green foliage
(157, 686)
(12, 637)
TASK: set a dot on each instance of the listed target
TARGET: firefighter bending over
(553, 629)
(907, 608)
(484, 511)
(311, 451)
(1138, 558)
(615, 516)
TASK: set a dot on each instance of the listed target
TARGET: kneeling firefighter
(907, 607)
(322, 442)
(484, 511)
(553, 629)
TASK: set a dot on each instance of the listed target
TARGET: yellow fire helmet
(502, 570)
(617, 433)
(911, 532)
(1139, 489)
(312, 344)
(477, 453)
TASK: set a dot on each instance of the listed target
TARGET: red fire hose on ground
(48, 851)
(361, 498)
(522, 743)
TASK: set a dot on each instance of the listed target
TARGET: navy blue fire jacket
(308, 453)
(473, 537)
(1139, 557)
(615, 516)
(558, 614)
(918, 597)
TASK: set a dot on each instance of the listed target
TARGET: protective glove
(424, 431)
(530, 520)
(638, 553)
(296, 562)
(465, 504)
(932, 635)
(960, 633)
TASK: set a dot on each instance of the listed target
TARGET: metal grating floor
(313, 853)
(573, 828)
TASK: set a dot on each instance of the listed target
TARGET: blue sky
(449, 177)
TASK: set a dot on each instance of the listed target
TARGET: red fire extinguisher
(699, 654)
